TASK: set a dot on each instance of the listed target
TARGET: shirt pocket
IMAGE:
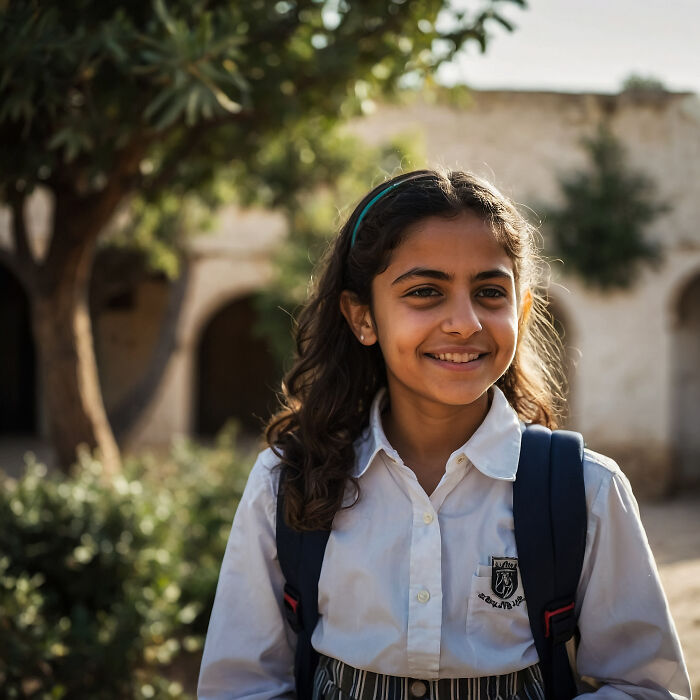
(496, 610)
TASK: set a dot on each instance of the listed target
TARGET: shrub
(103, 583)
(600, 230)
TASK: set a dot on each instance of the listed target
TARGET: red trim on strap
(549, 614)
(293, 604)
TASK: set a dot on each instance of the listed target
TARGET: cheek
(507, 328)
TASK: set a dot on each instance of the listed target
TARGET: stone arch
(685, 383)
(236, 372)
(18, 375)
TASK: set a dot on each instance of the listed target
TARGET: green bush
(600, 229)
(104, 583)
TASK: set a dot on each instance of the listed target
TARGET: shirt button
(418, 689)
(427, 518)
(423, 596)
(461, 459)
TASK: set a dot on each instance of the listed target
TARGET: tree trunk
(68, 369)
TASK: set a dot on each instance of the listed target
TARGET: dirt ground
(673, 529)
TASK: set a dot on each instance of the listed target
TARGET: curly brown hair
(328, 392)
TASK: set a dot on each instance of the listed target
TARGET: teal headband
(368, 206)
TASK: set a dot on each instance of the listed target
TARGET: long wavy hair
(327, 394)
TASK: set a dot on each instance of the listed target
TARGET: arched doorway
(236, 372)
(685, 393)
(17, 360)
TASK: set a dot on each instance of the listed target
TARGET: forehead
(462, 243)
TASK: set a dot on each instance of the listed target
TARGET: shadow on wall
(685, 387)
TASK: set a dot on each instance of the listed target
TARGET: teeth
(458, 357)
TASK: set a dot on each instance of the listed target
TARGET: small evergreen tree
(599, 230)
(643, 84)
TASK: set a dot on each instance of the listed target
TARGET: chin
(458, 398)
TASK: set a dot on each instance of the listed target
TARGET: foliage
(643, 84)
(135, 114)
(599, 230)
(102, 584)
(342, 174)
(199, 85)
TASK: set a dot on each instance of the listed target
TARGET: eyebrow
(498, 272)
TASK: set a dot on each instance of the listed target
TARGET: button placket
(418, 689)
(425, 586)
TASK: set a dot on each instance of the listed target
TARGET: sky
(587, 45)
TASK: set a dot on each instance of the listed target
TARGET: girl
(421, 354)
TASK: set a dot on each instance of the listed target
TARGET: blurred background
(171, 171)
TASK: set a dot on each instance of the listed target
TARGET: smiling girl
(421, 355)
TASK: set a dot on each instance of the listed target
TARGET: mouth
(457, 358)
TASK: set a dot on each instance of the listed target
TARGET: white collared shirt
(406, 583)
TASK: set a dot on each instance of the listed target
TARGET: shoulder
(606, 484)
(599, 469)
(265, 474)
(263, 483)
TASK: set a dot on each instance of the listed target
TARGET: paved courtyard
(673, 528)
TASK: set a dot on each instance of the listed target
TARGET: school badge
(504, 576)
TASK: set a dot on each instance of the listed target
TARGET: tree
(600, 228)
(313, 219)
(102, 101)
(643, 84)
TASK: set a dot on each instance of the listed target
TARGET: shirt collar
(494, 448)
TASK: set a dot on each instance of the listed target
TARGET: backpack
(549, 512)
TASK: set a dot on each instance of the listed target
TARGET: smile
(456, 358)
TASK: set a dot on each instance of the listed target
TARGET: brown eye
(490, 292)
(423, 292)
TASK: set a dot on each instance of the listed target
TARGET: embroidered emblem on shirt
(504, 576)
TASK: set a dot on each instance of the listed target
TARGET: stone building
(635, 356)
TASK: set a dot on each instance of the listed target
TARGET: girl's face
(445, 314)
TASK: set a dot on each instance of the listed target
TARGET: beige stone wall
(125, 338)
(229, 263)
(622, 398)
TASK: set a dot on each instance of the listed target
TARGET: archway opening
(685, 392)
(18, 414)
(236, 372)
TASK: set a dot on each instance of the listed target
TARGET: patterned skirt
(334, 680)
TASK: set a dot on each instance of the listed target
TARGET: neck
(426, 436)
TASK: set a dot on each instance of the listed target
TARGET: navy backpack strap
(300, 555)
(549, 512)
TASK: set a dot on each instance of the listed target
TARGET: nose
(461, 318)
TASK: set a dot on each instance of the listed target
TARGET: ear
(359, 317)
(525, 309)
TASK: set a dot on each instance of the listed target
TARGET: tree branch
(79, 219)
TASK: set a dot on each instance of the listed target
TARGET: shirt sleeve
(249, 650)
(629, 645)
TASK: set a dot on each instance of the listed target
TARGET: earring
(362, 338)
